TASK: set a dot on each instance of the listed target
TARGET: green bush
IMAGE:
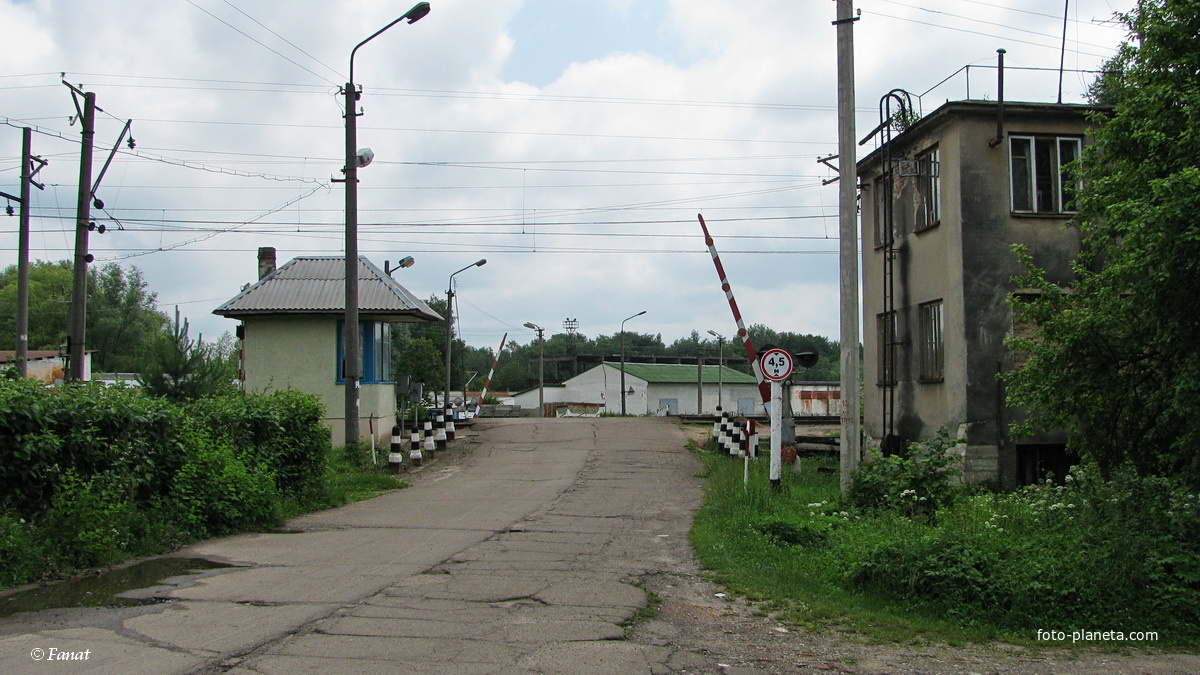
(1047, 555)
(917, 483)
(46, 431)
(216, 493)
(282, 433)
(91, 475)
(1122, 553)
(23, 554)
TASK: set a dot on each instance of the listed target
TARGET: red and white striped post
(764, 389)
(488, 383)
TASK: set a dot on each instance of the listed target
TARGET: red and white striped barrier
(764, 389)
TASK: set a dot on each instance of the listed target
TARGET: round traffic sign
(776, 364)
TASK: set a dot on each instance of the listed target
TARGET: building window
(932, 345)
(376, 352)
(929, 187)
(1036, 170)
(885, 331)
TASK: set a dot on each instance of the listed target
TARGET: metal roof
(678, 373)
(317, 285)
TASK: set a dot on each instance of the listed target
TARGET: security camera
(364, 157)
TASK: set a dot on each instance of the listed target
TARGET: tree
(180, 369)
(122, 321)
(1115, 359)
(49, 293)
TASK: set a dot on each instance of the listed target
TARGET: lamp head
(417, 13)
(806, 359)
(714, 333)
(364, 157)
(530, 325)
(406, 261)
(483, 261)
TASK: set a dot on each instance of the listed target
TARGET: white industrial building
(652, 388)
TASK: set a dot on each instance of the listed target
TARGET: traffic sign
(776, 365)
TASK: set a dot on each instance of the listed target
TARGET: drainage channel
(104, 589)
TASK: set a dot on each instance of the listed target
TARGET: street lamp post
(350, 334)
(541, 367)
(720, 365)
(623, 394)
(450, 323)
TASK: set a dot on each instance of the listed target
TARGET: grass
(804, 554)
(649, 611)
(349, 477)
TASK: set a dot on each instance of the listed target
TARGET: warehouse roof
(676, 373)
(317, 285)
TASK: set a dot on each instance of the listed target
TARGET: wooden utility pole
(851, 427)
(77, 319)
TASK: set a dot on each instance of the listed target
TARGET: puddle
(105, 589)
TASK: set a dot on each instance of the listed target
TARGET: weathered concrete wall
(967, 262)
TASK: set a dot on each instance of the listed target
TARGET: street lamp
(720, 364)
(450, 323)
(541, 367)
(623, 393)
(406, 261)
(354, 159)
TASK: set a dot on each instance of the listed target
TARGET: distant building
(942, 205)
(291, 335)
(653, 388)
(46, 365)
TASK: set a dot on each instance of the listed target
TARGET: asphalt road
(526, 555)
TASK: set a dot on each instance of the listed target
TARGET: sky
(571, 143)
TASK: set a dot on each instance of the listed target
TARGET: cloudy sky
(569, 142)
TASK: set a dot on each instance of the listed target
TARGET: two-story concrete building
(943, 203)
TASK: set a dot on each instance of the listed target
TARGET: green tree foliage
(828, 367)
(1116, 358)
(181, 369)
(518, 364)
(122, 321)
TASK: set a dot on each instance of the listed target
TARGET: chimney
(266, 261)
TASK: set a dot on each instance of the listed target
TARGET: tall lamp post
(354, 159)
(450, 323)
(541, 367)
(623, 394)
(720, 365)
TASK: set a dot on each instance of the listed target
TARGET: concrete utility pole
(351, 345)
(541, 366)
(623, 394)
(77, 319)
(27, 173)
(851, 427)
(450, 326)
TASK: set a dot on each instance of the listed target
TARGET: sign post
(776, 366)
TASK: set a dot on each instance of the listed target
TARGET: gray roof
(317, 285)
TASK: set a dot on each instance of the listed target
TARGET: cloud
(572, 144)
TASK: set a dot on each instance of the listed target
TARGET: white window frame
(1062, 202)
